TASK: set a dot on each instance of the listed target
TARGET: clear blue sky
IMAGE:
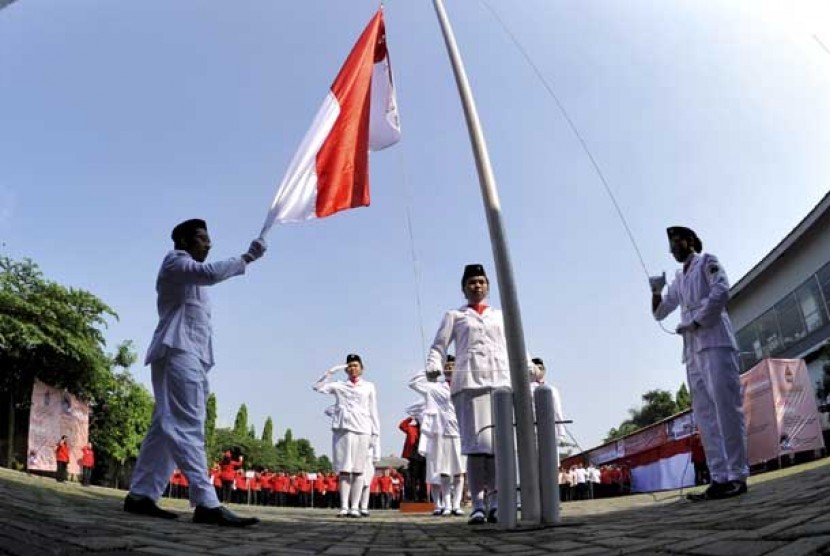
(120, 119)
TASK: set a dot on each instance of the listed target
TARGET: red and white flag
(330, 171)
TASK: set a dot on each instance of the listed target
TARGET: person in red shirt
(416, 470)
(242, 484)
(375, 491)
(87, 463)
(332, 492)
(385, 481)
(228, 467)
(320, 490)
(62, 459)
(266, 482)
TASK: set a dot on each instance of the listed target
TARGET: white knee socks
(458, 491)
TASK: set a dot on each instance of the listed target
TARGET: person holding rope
(180, 355)
(710, 352)
(477, 330)
(355, 427)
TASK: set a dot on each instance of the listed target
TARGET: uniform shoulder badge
(714, 269)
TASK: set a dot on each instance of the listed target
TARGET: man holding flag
(181, 354)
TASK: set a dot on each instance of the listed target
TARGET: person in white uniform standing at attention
(480, 366)
(180, 355)
(710, 352)
(355, 429)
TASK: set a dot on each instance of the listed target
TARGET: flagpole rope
(416, 267)
(579, 137)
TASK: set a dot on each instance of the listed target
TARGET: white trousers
(177, 430)
(715, 386)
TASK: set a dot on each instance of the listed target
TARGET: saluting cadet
(710, 353)
(180, 355)
(481, 366)
(445, 462)
(355, 427)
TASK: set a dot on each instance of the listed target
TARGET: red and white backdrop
(780, 409)
(781, 415)
(55, 413)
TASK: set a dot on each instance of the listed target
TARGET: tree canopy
(657, 405)
(50, 332)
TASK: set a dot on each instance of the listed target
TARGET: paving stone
(804, 546)
(731, 548)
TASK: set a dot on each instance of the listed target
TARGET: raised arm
(323, 384)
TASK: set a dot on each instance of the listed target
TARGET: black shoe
(144, 506)
(492, 517)
(714, 492)
(734, 488)
(221, 516)
(477, 517)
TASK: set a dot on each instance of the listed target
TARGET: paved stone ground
(786, 512)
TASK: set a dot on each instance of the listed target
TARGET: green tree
(683, 398)
(657, 405)
(210, 424)
(240, 424)
(120, 421)
(324, 464)
(252, 432)
(49, 332)
(268, 431)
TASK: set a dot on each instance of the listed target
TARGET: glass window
(768, 334)
(812, 304)
(790, 321)
(824, 283)
(748, 346)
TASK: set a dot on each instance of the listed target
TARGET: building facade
(781, 307)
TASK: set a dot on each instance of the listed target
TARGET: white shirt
(702, 293)
(438, 417)
(183, 304)
(355, 407)
(480, 349)
(580, 475)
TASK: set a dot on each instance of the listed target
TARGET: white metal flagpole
(526, 439)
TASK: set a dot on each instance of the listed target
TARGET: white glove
(255, 250)
(657, 283)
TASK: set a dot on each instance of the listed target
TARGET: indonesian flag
(330, 171)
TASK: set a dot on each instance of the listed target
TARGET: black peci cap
(187, 228)
(471, 271)
(353, 357)
(685, 233)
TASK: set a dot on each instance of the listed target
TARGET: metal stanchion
(548, 454)
(505, 457)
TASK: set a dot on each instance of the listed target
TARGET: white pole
(505, 457)
(548, 454)
(528, 459)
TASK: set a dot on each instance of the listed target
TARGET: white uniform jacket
(355, 407)
(702, 293)
(480, 349)
(438, 417)
(183, 304)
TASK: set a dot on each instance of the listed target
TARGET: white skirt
(350, 450)
(444, 457)
(474, 411)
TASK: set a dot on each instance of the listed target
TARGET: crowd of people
(263, 487)
(580, 482)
